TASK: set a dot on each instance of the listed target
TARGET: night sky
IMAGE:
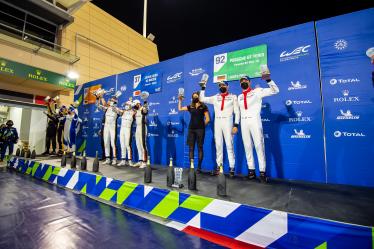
(183, 26)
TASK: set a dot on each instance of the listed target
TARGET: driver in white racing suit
(250, 103)
(141, 130)
(110, 127)
(225, 106)
(127, 119)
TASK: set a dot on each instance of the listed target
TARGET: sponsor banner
(232, 65)
(12, 68)
(150, 82)
(347, 88)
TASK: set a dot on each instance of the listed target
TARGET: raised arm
(271, 90)
(207, 117)
(180, 107)
(206, 100)
(102, 105)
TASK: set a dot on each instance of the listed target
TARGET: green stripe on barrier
(82, 147)
(98, 178)
(28, 171)
(124, 191)
(35, 168)
(322, 246)
(372, 237)
(56, 170)
(48, 173)
(84, 189)
(167, 205)
(196, 202)
(107, 194)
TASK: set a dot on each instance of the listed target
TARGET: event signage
(232, 65)
(13, 68)
(150, 82)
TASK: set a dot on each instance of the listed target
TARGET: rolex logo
(345, 92)
(38, 72)
(299, 113)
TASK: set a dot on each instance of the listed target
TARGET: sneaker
(137, 164)
(122, 163)
(143, 165)
(251, 174)
(232, 172)
(130, 163)
(107, 161)
(53, 153)
(114, 162)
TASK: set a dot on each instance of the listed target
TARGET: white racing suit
(71, 128)
(141, 133)
(223, 123)
(251, 125)
(125, 134)
(110, 130)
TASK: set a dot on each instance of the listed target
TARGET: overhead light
(25, 37)
(151, 37)
(73, 75)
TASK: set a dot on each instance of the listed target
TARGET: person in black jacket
(53, 122)
(60, 128)
(8, 137)
(196, 129)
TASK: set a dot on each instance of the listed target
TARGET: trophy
(98, 92)
(265, 72)
(181, 93)
(144, 95)
(117, 94)
(204, 80)
(178, 173)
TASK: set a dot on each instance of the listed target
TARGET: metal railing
(37, 41)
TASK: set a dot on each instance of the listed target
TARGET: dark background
(183, 26)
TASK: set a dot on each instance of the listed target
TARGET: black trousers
(60, 132)
(196, 136)
(50, 138)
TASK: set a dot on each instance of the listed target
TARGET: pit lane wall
(236, 224)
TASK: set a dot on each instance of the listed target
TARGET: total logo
(196, 71)
(296, 86)
(347, 115)
(170, 123)
(153, 113)
(343, 81)
(174, 78)
(153, 135)
(294, 54)
(173, 111)
(300, 134)
(341, 44)
(346, 97)
(152, 124)
(300, 118)
(298, 102)
(173, 100)
(338, 134)
(173, 134)
(153, 103)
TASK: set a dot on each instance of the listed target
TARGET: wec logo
(294, 54)
(174, 78)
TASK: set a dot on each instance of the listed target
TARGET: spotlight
(73, 75)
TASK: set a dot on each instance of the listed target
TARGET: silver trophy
(144, 95)
(181, 93)
(204, 80)
(178, 174)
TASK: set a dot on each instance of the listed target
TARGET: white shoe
(137, 164)
(130, 163)
(122, 163)
(143, 165)
(107, 161)
(114, 162)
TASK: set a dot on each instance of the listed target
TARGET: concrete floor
(336, 202)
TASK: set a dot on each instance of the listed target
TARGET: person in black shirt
(196, 129)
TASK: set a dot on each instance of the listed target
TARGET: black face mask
(244, 85)
(223, 89)
(195, 100)
(136, 107)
